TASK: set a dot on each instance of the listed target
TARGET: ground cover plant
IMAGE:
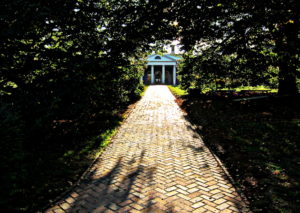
(69, 68)
(67, 71)
(258, 140)
(178, 91)
(232, 43)
(37, 175)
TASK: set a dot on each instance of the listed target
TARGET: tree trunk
(286, 46)
(287, 80)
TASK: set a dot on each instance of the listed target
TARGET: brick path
(155, 163)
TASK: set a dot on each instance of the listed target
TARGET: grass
(58, 168)
(145, 88)
(177, 91)
(238, 89)
(261, 87)
(55, 167)
(258, 141)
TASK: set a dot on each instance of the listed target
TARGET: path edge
(232, 181)
(87, 170)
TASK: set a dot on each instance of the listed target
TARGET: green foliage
(177, 91)
(240, 43)
(12, 156)
(215, 71)
(145, 87)
(258, 142)
(68, 68)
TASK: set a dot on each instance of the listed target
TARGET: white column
(163, 74)
(152, 74)
(174, 75)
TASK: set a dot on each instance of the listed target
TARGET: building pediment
(162, 69)
(159, 58)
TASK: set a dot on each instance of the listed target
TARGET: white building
(161, 69)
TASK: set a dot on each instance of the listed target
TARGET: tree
(263, 32)
(73, 61)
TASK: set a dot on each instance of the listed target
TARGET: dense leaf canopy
(251, 39)
(75, 61)
(63, 66)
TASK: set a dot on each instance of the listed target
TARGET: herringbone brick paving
(155, 163)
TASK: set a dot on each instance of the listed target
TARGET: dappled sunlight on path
(155, 163)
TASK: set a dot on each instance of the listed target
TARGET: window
(157, 57)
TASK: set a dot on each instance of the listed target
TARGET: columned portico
(174, 75)
(163, 80)
(161, 69)
(152, 74)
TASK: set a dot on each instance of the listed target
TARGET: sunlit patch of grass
(103, 140)
(178, 91)
(261, 87)
(238, 89)
(145, 88)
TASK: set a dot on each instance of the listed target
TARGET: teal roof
(166, 57)
(173, 56)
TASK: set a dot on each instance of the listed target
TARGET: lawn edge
(195, 129)
(98, 155)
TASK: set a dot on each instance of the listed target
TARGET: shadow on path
(156, 163)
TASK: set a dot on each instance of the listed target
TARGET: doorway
(157, 77)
